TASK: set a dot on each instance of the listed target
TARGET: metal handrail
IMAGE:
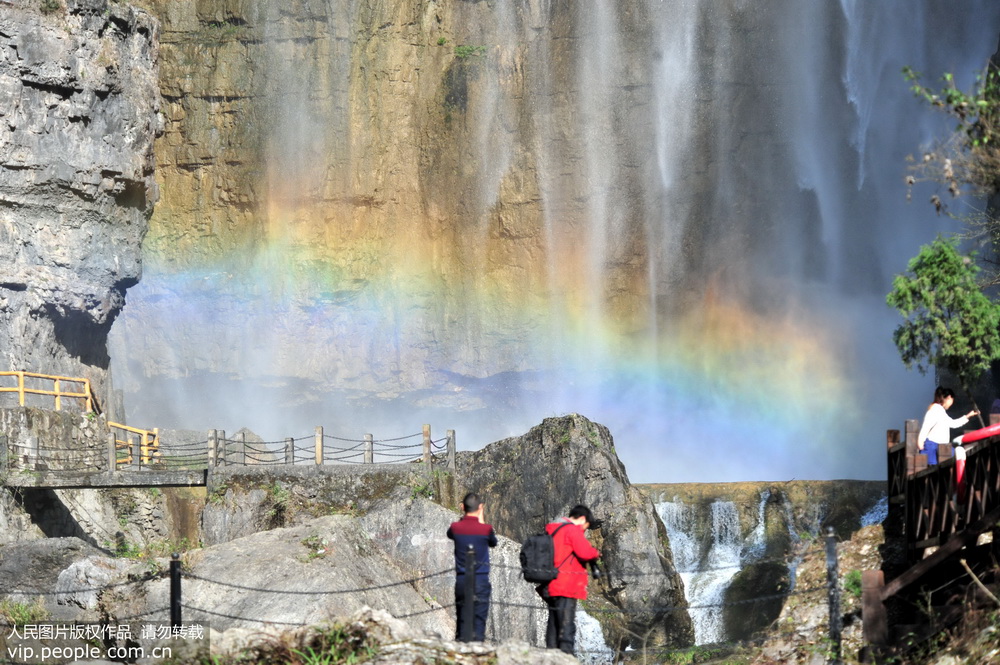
(56, 392)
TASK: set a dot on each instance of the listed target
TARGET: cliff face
(79, 108)
(795, 508)
(368, 172)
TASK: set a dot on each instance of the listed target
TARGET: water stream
(720, 210)
(708, 561)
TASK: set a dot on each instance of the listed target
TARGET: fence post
(55, 389)
(223, 446)
(289, 450)
(135, 448)
(469, 608)
(175, 590)
(34, 452)
(213, 449)
(912, 429)
(319, 444)
(112, 452)
(451, 449)
(369, 449)
(89, 397)
(427, 447)
(833, 585)
(241, 450)
(20, 388)
(874, 620)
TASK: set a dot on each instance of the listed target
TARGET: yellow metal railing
(149, 443)
(149, 440)
(57, 388)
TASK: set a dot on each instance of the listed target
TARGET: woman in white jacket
(937, 424)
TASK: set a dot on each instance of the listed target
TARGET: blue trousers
(930, 449)
(481, 609)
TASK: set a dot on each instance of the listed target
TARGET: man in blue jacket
(472, 530)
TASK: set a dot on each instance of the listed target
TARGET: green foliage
(19, 612)
(50, 6)
(278, 497)
(973, 155)
(323, 645)
(468, 51)
(127, 550)
(442, 41)
(217, 32)
(950, 323)
(423, 488)
(218, 494)
(852, 583)
(976, 111)
(318, 547)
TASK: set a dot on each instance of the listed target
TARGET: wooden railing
(935, 507)
(57, 390)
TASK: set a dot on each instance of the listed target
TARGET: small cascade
(706, 574)
(707, 566)
(590, 645)
(877, 513)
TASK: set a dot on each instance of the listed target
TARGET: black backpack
(538, 557)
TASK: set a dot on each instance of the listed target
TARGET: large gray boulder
(58, 574)
(413, 530)
(529, 480)
(79, 110)
(286, 577)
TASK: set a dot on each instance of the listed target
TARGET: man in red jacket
(572, 551)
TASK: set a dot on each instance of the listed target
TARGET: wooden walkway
(934, 519)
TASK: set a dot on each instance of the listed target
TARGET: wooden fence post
(241, 448)
(223, 445)
(451, 449)
(289, 450)
(427, 446)
(55, 389)
(912, 429)
(874, 620)
(369, 449)
(319, 445)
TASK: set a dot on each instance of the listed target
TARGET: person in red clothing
(572, 551)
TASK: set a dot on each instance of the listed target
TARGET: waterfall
(658, 214)
(877, 513)
(708, 568)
